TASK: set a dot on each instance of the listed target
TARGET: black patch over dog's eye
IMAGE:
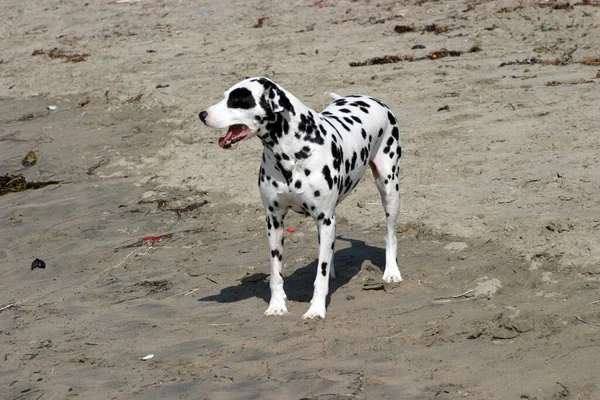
(241, 98)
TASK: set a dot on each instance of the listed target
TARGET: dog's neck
(290, 138)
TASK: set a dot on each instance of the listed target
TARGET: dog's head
(246, 110)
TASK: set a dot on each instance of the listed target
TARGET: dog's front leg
(275, 236)
(326, 225)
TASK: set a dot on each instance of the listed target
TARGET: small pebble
(37, 263)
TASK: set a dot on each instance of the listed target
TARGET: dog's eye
(241, 98)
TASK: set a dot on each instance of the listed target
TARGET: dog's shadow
(299, 285)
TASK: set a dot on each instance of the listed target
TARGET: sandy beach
(153, 237)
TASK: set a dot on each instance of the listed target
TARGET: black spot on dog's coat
(391, 118)
(327, 176)
(276, 254)
(304, 153)
(395, 132)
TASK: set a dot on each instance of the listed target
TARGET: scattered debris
(545, 28)
(373, 286)
(12, 304)
(459, 297)
(135, 99)
(361, 204)
(443, 53)
(563, 393)
(417, 46)
(577, 82)
(94, 167)
(444, 108)
(557, 6)
(67, 56)
(290, 230)
(156, 286)
(435, 28)
(590, 61)
(450, 94)
(148, 357)
(387, 59)
(259, 23)
(403, 28)
(160, 86)
(29, 160)
(37, 263)
(83, 102)
(587, 322)
(146, 241)
(373, 20)
(52, 108)
(188, 208)
(28, 356)
(505, 334)
(530, 61)
(504, 10)
(150, 240)
(542, 49)
(18, 183)
(161, 204)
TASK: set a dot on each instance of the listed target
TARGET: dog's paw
(276, 310)
(390, 277)
(314, 312)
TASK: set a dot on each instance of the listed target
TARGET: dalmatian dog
(311, 161)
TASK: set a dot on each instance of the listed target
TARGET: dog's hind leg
(326, 225)
(275, 237)
(331, 266)
(385, 171)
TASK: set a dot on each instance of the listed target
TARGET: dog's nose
(203, 115)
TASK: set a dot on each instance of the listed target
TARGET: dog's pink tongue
(222, 140)
(233, 130)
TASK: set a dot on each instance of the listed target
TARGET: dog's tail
(334, 96)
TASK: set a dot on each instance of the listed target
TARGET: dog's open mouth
(235, 134)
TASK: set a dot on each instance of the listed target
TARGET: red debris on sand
(259, 23)
(150, 240)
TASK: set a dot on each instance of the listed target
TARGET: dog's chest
(320, 180)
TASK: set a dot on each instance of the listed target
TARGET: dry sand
(499, 243)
